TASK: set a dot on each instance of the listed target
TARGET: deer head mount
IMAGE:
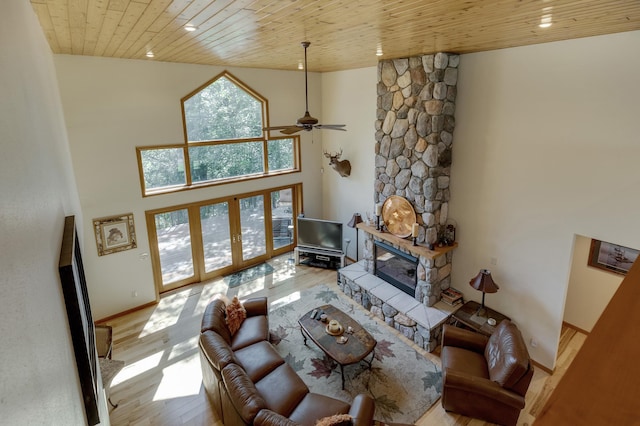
(343, 167)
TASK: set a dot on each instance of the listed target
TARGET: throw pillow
(236, 313)
(335, 420)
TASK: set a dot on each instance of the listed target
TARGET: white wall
(545, 147)
(113, 105)
(590, 289)
(350, 98)
(37, 365)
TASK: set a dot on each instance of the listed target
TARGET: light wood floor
(161, 383)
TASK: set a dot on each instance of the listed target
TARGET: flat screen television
(76, 299)
(319, 234)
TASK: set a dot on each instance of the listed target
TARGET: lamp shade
(483, 282)
(355, 220)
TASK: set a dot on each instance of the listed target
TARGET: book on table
(451, 296)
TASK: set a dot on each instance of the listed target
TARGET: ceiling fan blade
(331, 127)
(291, 130)
(279, 127)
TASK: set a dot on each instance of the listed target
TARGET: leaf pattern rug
(403, 382)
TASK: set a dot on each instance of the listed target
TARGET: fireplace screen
(397, 268)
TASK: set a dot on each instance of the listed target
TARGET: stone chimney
(414, 135)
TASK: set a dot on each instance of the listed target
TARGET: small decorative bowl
(334, 328)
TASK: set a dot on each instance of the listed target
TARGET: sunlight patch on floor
(284, 272)
(285, 300)
(247, 289)
(180, 379)
(166, 313)
(184, 347)
(208, 293)
(137, 368)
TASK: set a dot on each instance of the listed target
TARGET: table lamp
(353, 223)
(484, 283)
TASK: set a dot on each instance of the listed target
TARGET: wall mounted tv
(319, 234)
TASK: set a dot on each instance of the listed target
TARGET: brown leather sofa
(485, 377)
(248, 382)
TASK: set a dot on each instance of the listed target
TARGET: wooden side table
(465, 316)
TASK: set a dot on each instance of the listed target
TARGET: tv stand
(319, 258)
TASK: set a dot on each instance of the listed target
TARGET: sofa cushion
(282, 389)
(464, 361)
(236, 313)
(214, 318)
(253, 330)
(315, 406)
(242, 392)
(217, 351)
(258, 359)
(506, 355)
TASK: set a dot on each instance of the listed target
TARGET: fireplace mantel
(406, 244)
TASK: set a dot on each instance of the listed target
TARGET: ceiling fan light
(190, 27)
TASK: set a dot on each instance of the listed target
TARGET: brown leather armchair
(485, 377)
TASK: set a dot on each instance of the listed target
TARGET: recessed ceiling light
(546, 18)
(300, 65)
(545, 21)
(150, 54)
(190, 28)
(379, 50)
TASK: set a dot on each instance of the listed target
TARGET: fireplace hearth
(395, 267)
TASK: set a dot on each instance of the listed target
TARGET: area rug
(250, 274)
(403, 382)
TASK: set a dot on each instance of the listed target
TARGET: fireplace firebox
(395, 267)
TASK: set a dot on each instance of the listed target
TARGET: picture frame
(611, 257)
(115, 233)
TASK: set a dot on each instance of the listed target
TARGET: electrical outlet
(494, 261)
(534, 342)
(134, 294)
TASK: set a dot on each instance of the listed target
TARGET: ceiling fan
(307, 122)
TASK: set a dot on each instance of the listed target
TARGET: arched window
(224, 141)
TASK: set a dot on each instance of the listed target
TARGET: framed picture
(611, 257)
(115, 233)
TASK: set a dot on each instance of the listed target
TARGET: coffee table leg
(373, 355)
(304, 336)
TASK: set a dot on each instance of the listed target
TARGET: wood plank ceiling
(344, 34)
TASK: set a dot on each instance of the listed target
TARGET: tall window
(224, 141)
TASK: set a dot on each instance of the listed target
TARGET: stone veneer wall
(414, 135)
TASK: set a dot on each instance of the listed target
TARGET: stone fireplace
(396, 267)
(414, 135)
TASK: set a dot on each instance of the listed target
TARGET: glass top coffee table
(359, 343)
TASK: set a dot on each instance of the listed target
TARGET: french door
(191, 243)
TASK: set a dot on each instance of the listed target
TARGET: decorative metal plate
(398, 215)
